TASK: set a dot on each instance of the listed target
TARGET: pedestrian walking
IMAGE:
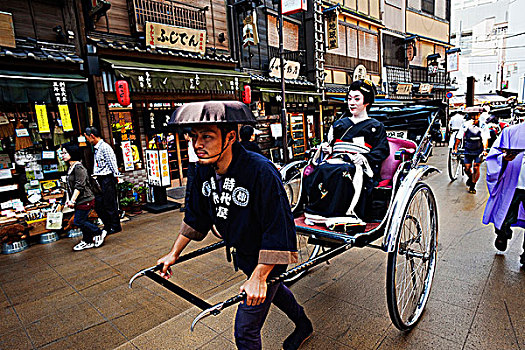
(247, 134)
(475, 142)
(81, 198)
(506, 184)
(105, 171)
(192, 164)
(242, 194)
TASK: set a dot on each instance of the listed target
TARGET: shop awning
(152, 77)
(30, 87)
(292, 96)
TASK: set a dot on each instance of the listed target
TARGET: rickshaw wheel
(411, 266)
(292, 186)
(305, 252)
(454, 163)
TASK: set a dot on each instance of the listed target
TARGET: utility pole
(283, 87)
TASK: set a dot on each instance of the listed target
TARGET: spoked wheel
(454, 165)
(305, 252)
(410, 267)
(292, 186)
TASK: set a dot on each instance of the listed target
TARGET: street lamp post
(283, 101)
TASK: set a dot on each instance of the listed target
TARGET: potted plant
(126, 203)
(141, 193)
(125, 189)
(136, 207)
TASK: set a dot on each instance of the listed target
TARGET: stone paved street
(54, 298)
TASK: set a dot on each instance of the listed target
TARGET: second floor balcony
(168, 12)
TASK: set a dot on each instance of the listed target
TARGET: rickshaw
(407, 229)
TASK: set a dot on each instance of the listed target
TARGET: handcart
(407, 232)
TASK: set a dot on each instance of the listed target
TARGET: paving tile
(91, 277)
(415, 340)
(59, 344)
(8, 320)
(354, 326)
(63, 323)
(449, 321)
(319, 341)
(219, 342)
(35, 310)
(29, 289)
(456, 292)
(498, 325)
(16, 339)
(102, 336)
(174, 334)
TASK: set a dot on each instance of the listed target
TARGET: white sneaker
(83, 245)
(99, 240)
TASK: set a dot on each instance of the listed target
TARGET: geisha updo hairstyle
(367, 88)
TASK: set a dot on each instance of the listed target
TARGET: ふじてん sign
(173, 37)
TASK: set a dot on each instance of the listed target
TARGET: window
(428, 6)
(393, 51)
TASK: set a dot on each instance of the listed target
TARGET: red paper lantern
(122, 89)
(247, 94)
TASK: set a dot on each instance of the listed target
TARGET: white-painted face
(356, 103)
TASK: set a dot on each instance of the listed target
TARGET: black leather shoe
(501, 243)
(115, 230)
(303, 331)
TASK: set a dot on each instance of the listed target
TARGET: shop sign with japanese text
(291, 69)
(127, 154)
(332, 30)
(293, 6)
(453, 62)
(404, 89)
(425, 88)
(152, 165)
(41, 118)
(164, 168)
(173, 37)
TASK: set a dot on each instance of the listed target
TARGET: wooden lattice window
(168, 12)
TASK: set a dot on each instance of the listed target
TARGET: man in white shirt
(106, 171)
(475, 143)
(455, 123)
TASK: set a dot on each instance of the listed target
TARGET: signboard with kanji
(404, 89)
(173, 37)
(332, 30)
(164, 168)
(291, 69)
(65, 117)
(289, 7)
(153, 167)
(41, 118)
(127, 154)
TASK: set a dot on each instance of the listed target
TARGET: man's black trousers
(106, 203)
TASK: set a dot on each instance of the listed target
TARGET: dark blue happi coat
(249, 207)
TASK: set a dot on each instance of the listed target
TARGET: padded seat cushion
(390, 164)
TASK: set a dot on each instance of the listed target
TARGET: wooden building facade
(44, 96)
(255, 45)
(149, 44)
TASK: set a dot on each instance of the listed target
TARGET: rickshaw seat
(390, 164)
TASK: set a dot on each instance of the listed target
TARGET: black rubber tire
(292, 186)
(453, 163)
(417, 236)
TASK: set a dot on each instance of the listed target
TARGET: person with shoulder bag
(81, 198)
